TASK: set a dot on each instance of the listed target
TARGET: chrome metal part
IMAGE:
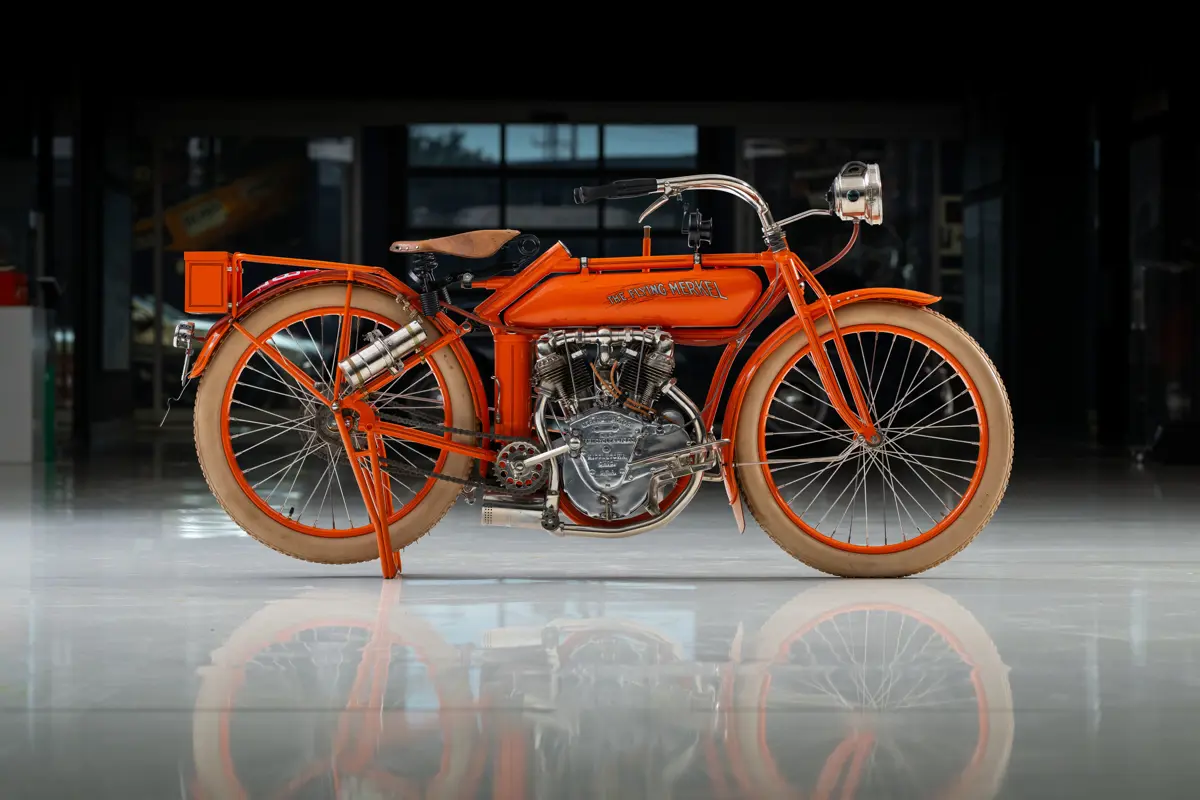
(576, 368)
(703, 447)
(184, 338)
(384, 354)
(671, 187)
(514, 472)
(661, 488)
(501, 511)
(812, 212)
(600, 481)
(610, 336)
(858, 193)
(550, 519)
(572, 446)
(185, 334)
(625, 462)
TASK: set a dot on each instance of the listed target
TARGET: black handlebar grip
(632, 187)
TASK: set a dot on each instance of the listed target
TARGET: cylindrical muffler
(383, 354)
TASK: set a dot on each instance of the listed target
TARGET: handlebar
(633, 187)
(856, 195)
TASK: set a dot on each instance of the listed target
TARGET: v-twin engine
(605, 390)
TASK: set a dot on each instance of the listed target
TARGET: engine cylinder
(657, 369)
(551, 372)
(581, 382)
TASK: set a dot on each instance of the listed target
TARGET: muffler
(502, 511)
(383, 354)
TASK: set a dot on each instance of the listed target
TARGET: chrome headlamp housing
(857, 193)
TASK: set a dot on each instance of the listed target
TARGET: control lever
(658, 203)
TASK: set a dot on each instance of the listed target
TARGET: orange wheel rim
(980, 461)
(231, 456)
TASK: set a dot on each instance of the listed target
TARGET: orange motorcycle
(868, 435)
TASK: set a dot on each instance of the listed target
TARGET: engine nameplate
(609, 438)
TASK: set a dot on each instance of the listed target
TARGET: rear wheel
(282, 472)
(901, 506)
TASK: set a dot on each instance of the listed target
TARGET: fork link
(860, 422)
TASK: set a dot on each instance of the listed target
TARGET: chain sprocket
(511, 476)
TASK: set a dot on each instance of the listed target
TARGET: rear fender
(291, 281)
(777, 338)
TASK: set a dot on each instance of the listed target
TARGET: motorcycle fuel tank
(686, 298)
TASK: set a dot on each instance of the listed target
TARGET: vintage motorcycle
(384, 420)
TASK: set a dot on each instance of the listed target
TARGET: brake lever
(657, 204)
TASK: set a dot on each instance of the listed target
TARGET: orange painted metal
(433, 440)
(782, 334)
(343, 345)
(556, 259)
(207, 278)
(708, 415)
(670, 299)
(513, 383)
(383, 535)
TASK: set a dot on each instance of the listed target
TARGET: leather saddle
(472, 244)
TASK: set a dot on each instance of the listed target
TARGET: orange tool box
(207, 279)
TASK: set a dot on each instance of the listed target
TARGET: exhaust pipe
(504, 512)
(383, 354)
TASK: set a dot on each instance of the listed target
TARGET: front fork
(795, 276)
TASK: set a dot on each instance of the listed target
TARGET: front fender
(271, 289)
(781, 335)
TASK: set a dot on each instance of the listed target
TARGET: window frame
(601, 173)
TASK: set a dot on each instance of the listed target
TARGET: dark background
(1056, 223)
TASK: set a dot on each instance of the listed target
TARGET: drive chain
(409, 422)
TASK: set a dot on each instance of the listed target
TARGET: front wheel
(907, 503)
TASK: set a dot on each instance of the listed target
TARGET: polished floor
(150, 650)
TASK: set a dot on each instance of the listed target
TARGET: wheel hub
(322, 428)
(325, 427)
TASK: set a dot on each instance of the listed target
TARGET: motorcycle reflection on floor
(353, 693)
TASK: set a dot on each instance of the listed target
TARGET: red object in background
(14, 287)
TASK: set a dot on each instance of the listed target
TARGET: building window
(462, 177)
